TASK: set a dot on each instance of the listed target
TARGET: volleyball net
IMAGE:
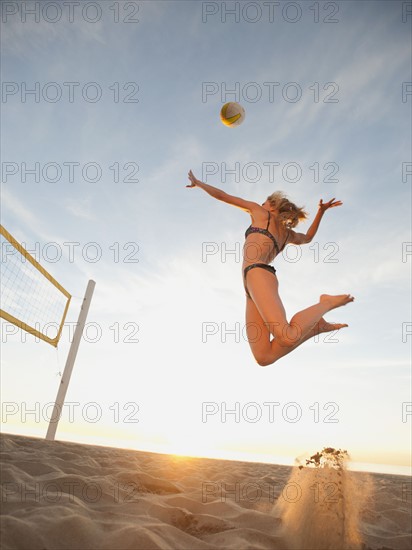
(35, 302)
(31, 298)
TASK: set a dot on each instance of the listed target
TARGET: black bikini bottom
(249, 267)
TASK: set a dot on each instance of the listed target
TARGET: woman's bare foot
(324, 326)
(336, 301)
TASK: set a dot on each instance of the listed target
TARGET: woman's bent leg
(263, 288)
(267, 351)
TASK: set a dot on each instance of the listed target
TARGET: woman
(272, 224)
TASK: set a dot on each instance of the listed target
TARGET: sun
(190, 445)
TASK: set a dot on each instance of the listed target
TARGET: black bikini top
(265, 232)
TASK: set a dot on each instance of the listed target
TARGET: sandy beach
(62, 495)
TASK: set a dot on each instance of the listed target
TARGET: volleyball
(232, 114)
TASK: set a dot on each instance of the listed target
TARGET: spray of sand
(320, 510)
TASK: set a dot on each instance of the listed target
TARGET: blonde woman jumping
(272, 223)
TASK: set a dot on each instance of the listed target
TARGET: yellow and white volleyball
(232, 114)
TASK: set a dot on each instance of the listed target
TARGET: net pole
(71, 357)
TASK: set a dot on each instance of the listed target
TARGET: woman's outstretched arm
(303, 238)
(212, 191)
(248, 206)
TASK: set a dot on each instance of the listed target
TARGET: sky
(105, 107)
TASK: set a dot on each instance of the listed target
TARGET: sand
(62, 495)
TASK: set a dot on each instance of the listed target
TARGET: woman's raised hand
(324, 206)
(194, 181)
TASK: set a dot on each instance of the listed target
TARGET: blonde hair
(289, 214)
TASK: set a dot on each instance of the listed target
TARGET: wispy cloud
(80, 209)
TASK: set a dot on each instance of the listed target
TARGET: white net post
(71, 357)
